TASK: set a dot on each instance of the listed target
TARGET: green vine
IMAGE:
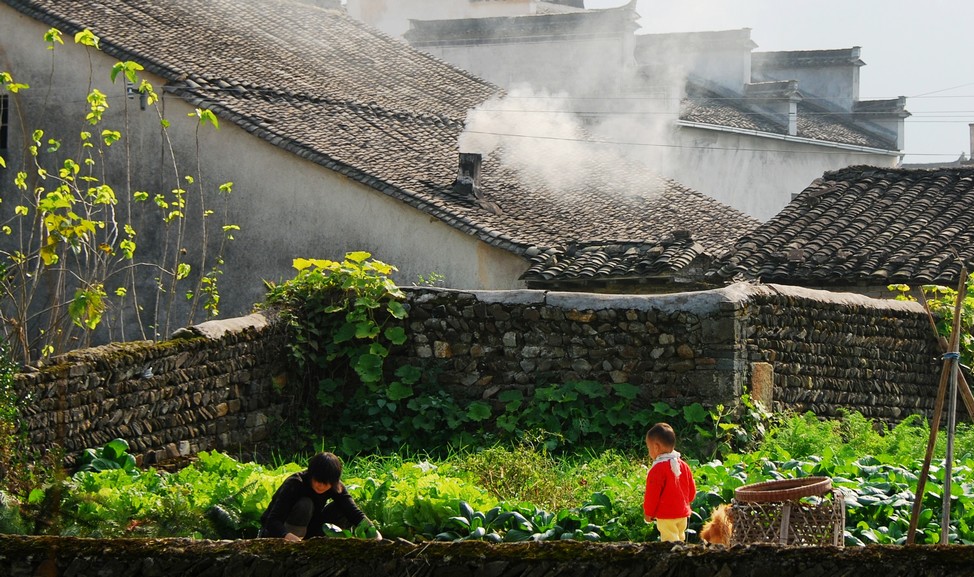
(941, 301)
(340, 317)
(12, 438)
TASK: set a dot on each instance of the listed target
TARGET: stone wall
(210, 387)
(790, 348)
(831, 351)
(32, 556)
(680, 348)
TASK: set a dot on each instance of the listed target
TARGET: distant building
(753, 127)
(393, 16)
(556, 48)
(747, 128)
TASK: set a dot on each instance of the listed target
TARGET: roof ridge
(192, 84)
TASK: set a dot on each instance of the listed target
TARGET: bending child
(669, 485)
(300, 507)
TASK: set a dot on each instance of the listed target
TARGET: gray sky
(921, 50)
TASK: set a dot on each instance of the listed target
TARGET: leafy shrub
(801, 436)
(11, 520)
(70, 256)
(336, 312)
(521, 474)
(13, 442)
(114, 455)
(114, 503)
(339, 316)
(416, 498)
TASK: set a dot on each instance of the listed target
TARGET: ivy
(340, 317)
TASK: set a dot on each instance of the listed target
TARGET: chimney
(971, 127)
(468, 176)
(779, 98)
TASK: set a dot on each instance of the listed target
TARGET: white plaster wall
(579, 67)
(720, 62)
(287, 207)
(300, 209)
(392, 16)
(756, 175)
(839, 85)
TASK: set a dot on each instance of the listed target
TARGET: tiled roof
(606, 260)
(724, 109)
(814, 58)
(556, 8)
(681, 226)
(333, 91)
(864, 226)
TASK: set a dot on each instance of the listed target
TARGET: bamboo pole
(937, 411)
(963, 387)
(953, 360)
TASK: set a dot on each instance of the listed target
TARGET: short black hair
(663, 433)
(325, 468)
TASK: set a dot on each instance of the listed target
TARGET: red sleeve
(689, 487)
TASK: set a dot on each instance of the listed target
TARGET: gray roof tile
(864, 226)
(721, 109)
(323, 86)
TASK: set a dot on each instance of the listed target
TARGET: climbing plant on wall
(941, 300)
(340, 318)
(70, 254)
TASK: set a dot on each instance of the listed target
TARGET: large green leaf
(695, 413)
(345, 333)
(369, 368)
(358, 256)
(625, 390)
(398, 391)
(396, 335)
(478, 411)
(409, 374)
(115, 449)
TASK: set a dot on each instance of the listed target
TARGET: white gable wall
(592, 66)
(392, 16)
(836, 85)
(757, 175)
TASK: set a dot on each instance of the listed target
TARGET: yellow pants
(672, 529)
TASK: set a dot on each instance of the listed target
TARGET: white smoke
(570, 143)
(531, 132)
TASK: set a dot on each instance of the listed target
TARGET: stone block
(442, 350)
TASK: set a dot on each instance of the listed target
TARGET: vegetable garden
(566, 464)
(519, 493)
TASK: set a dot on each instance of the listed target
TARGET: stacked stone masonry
(33, 556)
(833, 352)
(677, 348)
(793, 348)
(223, 384)
(212, 388)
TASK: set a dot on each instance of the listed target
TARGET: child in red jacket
(669, 485)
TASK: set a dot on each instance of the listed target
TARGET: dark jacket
(292, 490)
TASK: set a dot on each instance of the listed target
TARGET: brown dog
(719, 528)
